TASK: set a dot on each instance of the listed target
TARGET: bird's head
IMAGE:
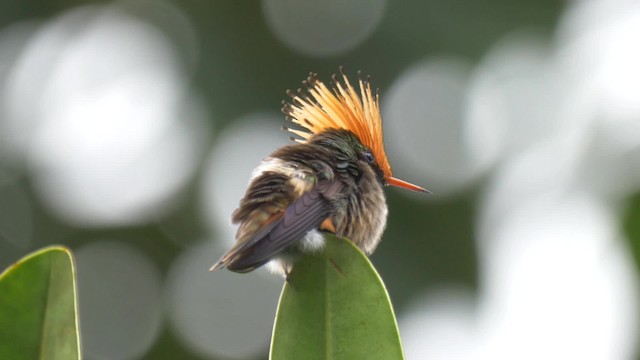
(344, 118)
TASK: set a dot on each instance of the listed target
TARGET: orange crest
(320, 109)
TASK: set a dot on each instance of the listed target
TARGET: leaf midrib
(327, 314)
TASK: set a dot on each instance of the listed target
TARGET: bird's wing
(304, 214)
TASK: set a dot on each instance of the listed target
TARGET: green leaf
(38, 307)
(335, 306)
(631, 226)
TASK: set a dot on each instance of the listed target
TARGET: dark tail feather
(305, 214)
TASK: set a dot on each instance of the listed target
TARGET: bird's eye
(368, 156)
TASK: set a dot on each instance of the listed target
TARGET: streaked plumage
(331, 180)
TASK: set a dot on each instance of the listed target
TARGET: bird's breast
(364, 216)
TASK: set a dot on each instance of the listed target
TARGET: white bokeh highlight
(557, 280)
(322, 28)
(238, 150)
(513, 99)
(598, 48)
(517, 181)
(424, 126)
(557, 272)
(601, 40)
(440, 325)
(120, 300)
(557, 283)
(220, 314)
(99, 107)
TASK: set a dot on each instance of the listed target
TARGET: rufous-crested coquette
(330, 180)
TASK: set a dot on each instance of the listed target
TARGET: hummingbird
(330, 180)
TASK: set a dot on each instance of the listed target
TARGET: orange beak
(403, 184)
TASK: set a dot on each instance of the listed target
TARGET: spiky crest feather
(318, 108)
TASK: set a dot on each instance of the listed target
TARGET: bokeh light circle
(120, 300)
(598, 49)
(322, 28)
(599, 45)
(220, 314)
(556, 272)
(514, 96)
(424, 126)
(440, 325)
(109, 139)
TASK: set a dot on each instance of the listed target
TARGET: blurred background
(128, 131)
